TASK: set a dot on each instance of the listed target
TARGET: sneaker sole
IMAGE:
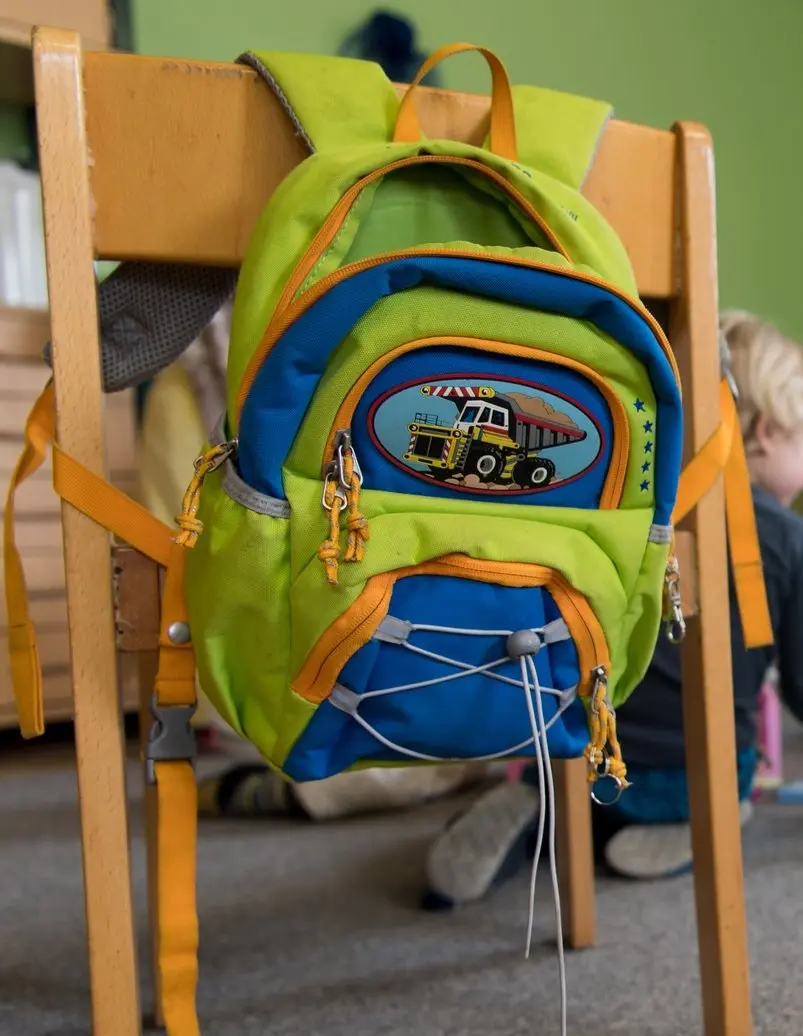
(646, 852)
(470, 854)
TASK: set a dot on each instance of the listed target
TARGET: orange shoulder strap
(171, 747)
(94, 497)
(724, 453)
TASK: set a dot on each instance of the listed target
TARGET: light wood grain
(575, 853)
(23, 332)
(707, 677)
(76, 362)
(46, 611)
(199, 202)
(90, 18)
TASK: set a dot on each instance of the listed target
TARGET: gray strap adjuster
(171, 736)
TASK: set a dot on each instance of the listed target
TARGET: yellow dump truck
(496, 437)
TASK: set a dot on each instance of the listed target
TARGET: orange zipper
(283, 320)
(359, 622)
(336, 217)
(615, 479)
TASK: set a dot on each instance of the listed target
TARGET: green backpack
(441, 497)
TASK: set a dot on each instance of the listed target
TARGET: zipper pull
(333, 500)
(190, 527)
(603, 752)
(673, 609)
(351, 479)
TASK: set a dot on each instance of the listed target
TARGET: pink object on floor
(770, 738)
(515, 770)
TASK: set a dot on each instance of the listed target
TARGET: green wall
(734, 66)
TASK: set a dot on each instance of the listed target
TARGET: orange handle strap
(503, 123)
(26, 672)
(723, 453)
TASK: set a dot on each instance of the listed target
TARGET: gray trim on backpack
(234, 487)
(393, 631)
(597, 142)
(660, 534)
(239, 491)
(266, 76)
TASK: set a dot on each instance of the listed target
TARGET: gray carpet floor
(315, 930)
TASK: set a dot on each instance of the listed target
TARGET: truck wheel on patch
(533, 473)
(486, 462)
(440, 474)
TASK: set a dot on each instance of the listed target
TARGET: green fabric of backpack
(443, 488)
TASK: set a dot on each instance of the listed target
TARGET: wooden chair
(172, 160)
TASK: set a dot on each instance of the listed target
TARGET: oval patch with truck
(485, 434)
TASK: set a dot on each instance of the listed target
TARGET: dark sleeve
(790, 636)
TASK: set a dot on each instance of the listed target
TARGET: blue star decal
(639, 405)
(645, 485)
(648, 447)
(645, 466)
(648, 426)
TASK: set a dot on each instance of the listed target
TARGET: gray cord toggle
(523, 642)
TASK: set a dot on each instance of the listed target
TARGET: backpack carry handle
(503, 123)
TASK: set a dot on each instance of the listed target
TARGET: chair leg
(716, 832)
(575, 852)
(708, 714)
(148, 662)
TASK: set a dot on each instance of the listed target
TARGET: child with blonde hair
(646, 834)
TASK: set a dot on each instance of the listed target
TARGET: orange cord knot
(603, 752)
(357, 522)
(189, 525)
(191, 528)
(329, 551)
(358, 534)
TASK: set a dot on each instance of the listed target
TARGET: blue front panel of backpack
(469, 717)
(564, 405)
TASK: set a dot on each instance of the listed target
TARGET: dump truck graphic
(496, 437)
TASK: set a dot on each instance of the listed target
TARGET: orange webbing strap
(26, 672)
(89, 494)
(171, 750)
(724, 453)
(748, 570)
(169, 764)
(110, 507)
(503, 123)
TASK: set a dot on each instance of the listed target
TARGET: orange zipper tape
(615, 479)
(283, 320)
(360, 621)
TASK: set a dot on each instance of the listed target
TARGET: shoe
(647, 852)
(244, 791)
(482, 847)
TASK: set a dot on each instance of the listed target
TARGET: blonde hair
(768, 370)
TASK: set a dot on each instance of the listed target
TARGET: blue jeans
(660, 796)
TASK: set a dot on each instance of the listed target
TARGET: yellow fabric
(503, 123)
(26, 671)
(724, 454)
